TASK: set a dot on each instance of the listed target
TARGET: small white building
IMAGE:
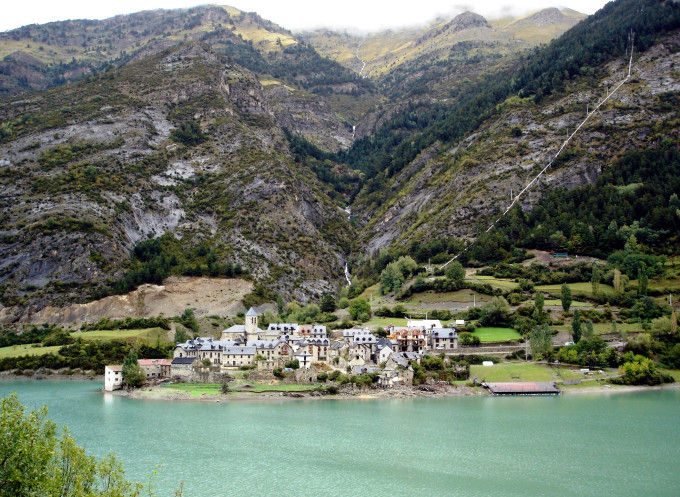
(424, 324)
(113, 378)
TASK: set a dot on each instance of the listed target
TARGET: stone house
(182, 368)
(441, 339)
(237, 356)
(113, 378)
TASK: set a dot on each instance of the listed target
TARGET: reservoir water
(577, 445)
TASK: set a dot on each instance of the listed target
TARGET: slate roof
(239, 350)
(251, 312)
(237, 328)
(183, 360)
(263, 344)
(523, 388)
(444, 333)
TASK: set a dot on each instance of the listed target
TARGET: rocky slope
(89, 170)
(456, 191)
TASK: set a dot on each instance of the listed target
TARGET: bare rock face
(78, 192)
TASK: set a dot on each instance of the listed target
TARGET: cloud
(364, 15)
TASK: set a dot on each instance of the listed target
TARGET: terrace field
(490, 334)
(27, 349)
(520, 371)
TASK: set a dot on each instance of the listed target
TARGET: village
(303, 349)
(305, 353)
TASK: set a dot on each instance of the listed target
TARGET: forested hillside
(211, 142)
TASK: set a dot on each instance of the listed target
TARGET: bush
(639, 370)
(466, 338)
(322, 377)
(188, 133)
(294, 364)
(278, 372)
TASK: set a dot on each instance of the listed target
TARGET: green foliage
(133, 374)
(576, 331)
(188, 319)
(128, 323)
(360, 309)
(395, 273)
(455, 271)
(592, 353)
(36, 462)
(639, 370)
(540, 342)
(181, 335)
(496, 312)
(188, 133)
(467, 338)
(294, 364)
(155, 259)
(565, 294)
(327, 303)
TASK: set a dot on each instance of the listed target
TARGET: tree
(496, 311)
(643, 281)
(566, 297)
(36, 462)
(539, 302)
(188, 319)
(294, 364)
(181, 335)
(391, 278)
(589, 332)
(595, 280)
(455, 271)
(360, 309)
(674, 324)
(576, 331)
(327, 302)
(133, 374)
(540, 342)
(617, 281)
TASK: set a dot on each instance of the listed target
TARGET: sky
(358, 15)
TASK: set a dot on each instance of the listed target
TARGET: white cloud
(365, 15)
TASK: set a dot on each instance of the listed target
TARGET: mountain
(211, 142)
(182, 142)
(377, 54)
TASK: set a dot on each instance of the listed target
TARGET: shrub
(188, 133)
(294, 364)
(468, 339)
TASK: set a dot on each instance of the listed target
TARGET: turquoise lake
(576, 445)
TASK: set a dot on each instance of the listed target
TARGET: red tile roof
(519, 387)
(115, 368)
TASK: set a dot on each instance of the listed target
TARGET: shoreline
(159, 393)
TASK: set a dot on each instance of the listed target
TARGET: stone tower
(251, 325)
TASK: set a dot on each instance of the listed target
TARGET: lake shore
(162, 393)
(426, 391)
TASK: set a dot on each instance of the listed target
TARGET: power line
(564, 144)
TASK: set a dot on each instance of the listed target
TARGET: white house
(113, 378)
(424, 324)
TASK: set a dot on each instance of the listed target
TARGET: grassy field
(459, 296)
(577, 289)
(198, 389)
(488, 334)
(523, 371)
(502, 283)
(574, 303)
(147, 334)
(377, 322)
(604, 328)
(28, 349)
